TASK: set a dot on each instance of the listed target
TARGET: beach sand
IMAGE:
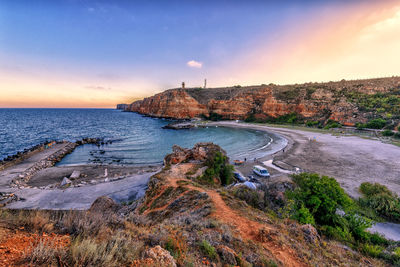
(351, 160)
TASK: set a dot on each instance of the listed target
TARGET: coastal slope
(348, 102)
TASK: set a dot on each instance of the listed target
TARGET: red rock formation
(313, 101)
(176, 103)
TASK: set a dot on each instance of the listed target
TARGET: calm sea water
(136, 139)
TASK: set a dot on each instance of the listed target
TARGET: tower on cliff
(183, 85)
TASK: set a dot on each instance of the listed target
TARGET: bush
(377, 239)
(397, 135)
(397, 252)
(337, 233)
(357, 226)
(304, 216)
(379, 198)
(372, 250)
(290, 118)
(177, 246)
(312, 123)
(322, 196)
(387, 133)
(208, 249)
(45, 254)
(212, 117)
(119, 250)
(218, 168)
(368, 189)
(332, 124)
(376, 124)
(252, 197)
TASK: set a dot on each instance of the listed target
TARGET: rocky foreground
(184, 219)
(348, 102)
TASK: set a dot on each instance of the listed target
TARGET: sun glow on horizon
(335, 41)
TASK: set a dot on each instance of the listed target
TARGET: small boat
(238, 162)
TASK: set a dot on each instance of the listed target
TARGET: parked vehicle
(238, 162)
(261, 171)
(239, 177)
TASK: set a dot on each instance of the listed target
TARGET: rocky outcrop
(122, 106)
(312, 101)
(175, 103)
(159, 256)
(103, 205)
(200, 153)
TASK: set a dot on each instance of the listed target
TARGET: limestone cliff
(339, 101)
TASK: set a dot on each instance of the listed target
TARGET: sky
(96, 54)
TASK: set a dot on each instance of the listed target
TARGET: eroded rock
(159, 256)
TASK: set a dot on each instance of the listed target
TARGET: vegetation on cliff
(346, 102)
(320, 201)
(381, 200)
(182, 222)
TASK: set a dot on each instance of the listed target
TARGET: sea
(132, 139)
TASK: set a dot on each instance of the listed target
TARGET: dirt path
(246, 228)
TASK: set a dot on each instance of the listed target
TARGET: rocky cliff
(122, 106)
(347, 102)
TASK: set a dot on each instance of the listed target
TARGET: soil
(246, 228)
(16, 243)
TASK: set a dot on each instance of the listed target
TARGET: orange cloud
(351, 42)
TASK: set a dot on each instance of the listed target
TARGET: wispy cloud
(98, 88)
(194, 64)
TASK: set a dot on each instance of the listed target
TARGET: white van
(260, 171)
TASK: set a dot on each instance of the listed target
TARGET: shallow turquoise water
(136, 139)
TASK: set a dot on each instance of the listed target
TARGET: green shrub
(376, 124)
(380, 102)
(379, 198)
(357, 226)
(321, 195)
(337, 233)
(397, 135)
(332, 124)
(387, 133)
(208, 249)
(213, 116)
(218, 168)
(304, 216)
(312, 123)
(290, 118)
(377, 239)
(368, 189)
(372, 250)
(397, 252)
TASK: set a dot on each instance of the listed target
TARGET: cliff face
(169, 104)
(312, 101)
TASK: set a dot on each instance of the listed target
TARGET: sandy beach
(351, 160)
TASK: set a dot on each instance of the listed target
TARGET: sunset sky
(99, 53)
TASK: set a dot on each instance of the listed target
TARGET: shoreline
(351, 160)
